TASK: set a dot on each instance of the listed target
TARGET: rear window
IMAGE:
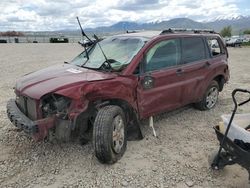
(214, 47)
(193, 49)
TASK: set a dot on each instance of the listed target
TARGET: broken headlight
(55, 104)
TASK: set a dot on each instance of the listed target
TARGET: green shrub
(246, 43)
(226, 31)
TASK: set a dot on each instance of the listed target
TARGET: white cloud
(55, 15)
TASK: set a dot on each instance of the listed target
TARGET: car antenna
(106, 59)
(84, 34)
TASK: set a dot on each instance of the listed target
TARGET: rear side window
(193, 49)
(214, 46)
(162, 55)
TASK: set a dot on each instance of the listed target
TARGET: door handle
(179, 72)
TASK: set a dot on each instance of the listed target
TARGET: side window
(214, 46)
(163, 54)
(193, 49)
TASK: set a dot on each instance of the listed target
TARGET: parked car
(3, 41)
(118, 82)
(246, 40)
(59, 40)
(234, 42)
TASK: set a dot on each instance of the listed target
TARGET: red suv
(118, 81)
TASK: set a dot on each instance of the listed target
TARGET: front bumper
(19, 119)
(37, 129)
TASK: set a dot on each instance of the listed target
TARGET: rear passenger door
(194, 66)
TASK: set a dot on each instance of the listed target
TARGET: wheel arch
(131, 115)
(129, 111)
(220, 79)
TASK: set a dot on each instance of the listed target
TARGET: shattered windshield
(120, 50)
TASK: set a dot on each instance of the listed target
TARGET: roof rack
(174, 30)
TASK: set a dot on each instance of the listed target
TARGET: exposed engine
(55, 104)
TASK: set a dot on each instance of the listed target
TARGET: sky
(49, 15)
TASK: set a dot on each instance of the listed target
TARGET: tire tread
(102, 134)
(202, 104)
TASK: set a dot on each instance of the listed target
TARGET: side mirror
(147, 82)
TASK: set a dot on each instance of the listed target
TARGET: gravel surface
(177, 158)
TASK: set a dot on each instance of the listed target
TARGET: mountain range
(238, 24)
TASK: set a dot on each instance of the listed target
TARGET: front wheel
(110, 134)
(210, 98)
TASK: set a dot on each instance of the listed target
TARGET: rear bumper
(37, 129)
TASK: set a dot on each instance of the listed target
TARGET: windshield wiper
(84, 35)
(89, 67)
(106, 59)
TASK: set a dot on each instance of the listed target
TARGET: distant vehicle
(117, 82)
(226, 39)
(246, 40)
(3, 41)
(59, 40)
(234, 42)
(214, 44)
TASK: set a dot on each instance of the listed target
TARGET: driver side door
(160, 84)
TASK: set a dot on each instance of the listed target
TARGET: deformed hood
(56, 77)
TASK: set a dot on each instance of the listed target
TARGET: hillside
(238, 24)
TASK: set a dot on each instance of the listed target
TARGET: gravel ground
(177, 158)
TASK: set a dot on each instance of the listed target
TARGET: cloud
(56, 15)
(134, 5)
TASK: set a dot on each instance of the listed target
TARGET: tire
(110, 134)
(210, 98)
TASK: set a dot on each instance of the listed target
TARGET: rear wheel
(210, 98)
(110, 134)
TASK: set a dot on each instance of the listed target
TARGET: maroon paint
(43, 126)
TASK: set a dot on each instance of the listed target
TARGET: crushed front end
(39, 117)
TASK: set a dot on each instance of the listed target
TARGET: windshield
(119, 50)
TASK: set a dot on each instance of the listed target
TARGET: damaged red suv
(117, 82)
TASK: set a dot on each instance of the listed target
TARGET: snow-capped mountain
(229, 17)
(237, 22)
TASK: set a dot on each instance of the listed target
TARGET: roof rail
(174, 30)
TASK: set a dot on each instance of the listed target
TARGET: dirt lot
(177, 158)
